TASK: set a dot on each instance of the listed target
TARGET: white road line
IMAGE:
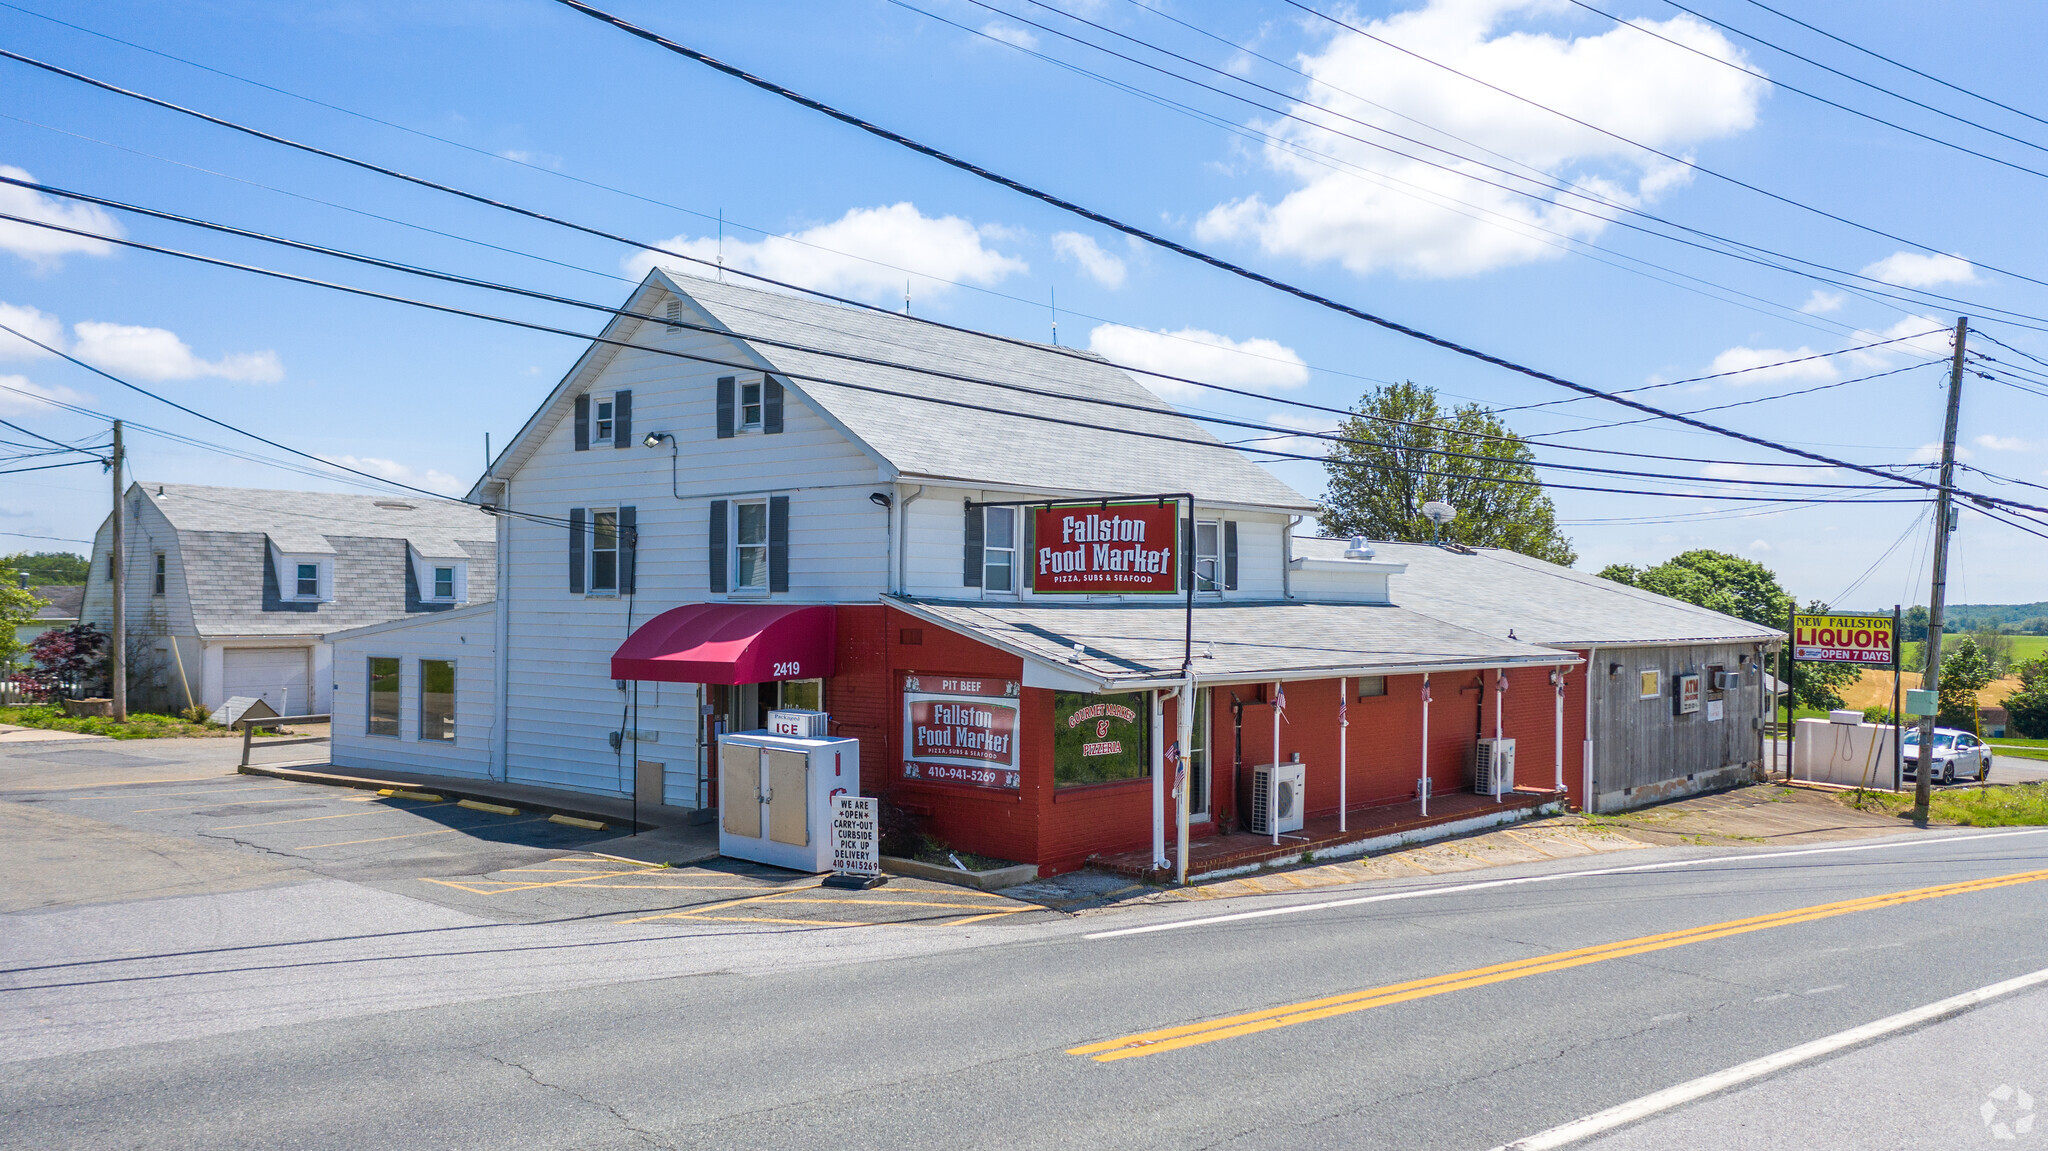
(1604, 1121)
(1488, 884)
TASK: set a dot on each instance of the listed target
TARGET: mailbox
(775, 796)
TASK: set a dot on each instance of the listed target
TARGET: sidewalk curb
(455, 794)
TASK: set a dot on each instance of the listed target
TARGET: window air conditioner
(1276, 799)
(1727, 680)
(1493, 766)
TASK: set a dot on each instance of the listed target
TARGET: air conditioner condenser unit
(1276, 799)
(1493, 767)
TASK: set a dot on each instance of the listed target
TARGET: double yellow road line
(1251, 1023)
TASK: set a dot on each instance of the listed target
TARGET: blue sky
(534, 94)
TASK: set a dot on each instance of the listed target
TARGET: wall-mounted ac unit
(1493, 766)
(1727, 680)
(1276, 799)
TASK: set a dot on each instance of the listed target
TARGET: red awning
(730, 643)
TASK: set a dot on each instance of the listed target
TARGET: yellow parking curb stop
(573, 821)
(394, 793)
(480, 805)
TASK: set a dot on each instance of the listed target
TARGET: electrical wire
(1912, 525)
(743, 365)
(1755, 400)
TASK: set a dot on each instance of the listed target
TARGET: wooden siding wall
(935, 539)
(155, 621)
(1639, 743)
(561, 700)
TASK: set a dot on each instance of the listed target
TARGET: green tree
(46, 568)
(17, 607)
(1746, 590)
(1965, 671)
(2027, 708)
(1377, 486)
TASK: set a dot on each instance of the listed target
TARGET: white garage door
(276, 675)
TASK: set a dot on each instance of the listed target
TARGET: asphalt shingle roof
(1003, 447)
(1495, 591)
(62, 601)
(1146, 642)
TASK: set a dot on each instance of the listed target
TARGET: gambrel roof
(1037, 435)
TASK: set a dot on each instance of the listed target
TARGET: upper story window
(302, 578)
(308, 583)
(156, 586)
(999, 550)
(444, 583)
(604, 421)
(604, 551)
(750, 546)
(1208, 555)
(601, 421)
(750, 406)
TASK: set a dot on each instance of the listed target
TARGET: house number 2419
(791, 668)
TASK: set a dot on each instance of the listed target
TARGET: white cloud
(1759, 545)
(1730, 471)
(1102, 267)
(1913, 270)
(1741, 359)
(38, 325)
(868, 252)
(1821, 303)
(158, 354)
(1931, 453)
(12, 400)
(2004, 444)
(1009, 34)
(537, 159)
(1196, 354)
(1930, 339)
(42, 248)
(393, 470)
(1635, 86)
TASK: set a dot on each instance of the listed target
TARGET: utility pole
(117, 572)
(1944, 507)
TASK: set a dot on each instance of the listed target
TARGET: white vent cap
(1358, 549)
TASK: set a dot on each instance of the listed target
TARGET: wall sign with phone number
(960, 731)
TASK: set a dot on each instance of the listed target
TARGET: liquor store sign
(960, 731)
(1106, 549)
(1859, 639)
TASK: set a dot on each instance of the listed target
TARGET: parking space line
(990, 915)
(891, 903)
(344, 815)
(754, 919)
(116, 783)
(237, 803)
(416, 835)
(718, 906)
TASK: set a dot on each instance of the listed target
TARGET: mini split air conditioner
(1493, 766)
(1276, 799)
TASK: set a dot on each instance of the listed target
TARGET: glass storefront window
(437, 699)
(383, 695)
(1101, 738)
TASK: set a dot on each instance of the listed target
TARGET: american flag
(1180, 768)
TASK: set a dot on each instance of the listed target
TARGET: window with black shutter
(771, 406)
(727, 390)
(622, 419)
(1229, 555)
(582, 423)
(778, 543)
(717, 556)
(970, 555)
(576, 550)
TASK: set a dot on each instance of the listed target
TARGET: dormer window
(439, 578)
(308, 581)
(444, 583)
(750, 406)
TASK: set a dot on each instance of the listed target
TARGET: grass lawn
(140, 725)
(2024, 647)
(2016, 805)
(2021, 748)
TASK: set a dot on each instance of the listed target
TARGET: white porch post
(1586, 748)
(1184, 715)
(1422, 786)
(1343, 752)
(1158, 782)
(1273, 823)
(1557, 677)
(1500, 708)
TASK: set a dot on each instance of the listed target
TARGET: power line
(1192, 253)
(1734, 372)
(58, 539)
(1755, 400)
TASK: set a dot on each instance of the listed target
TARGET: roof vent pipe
(1359, 549)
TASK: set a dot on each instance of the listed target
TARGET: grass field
(2024, 647)
(2018, 805)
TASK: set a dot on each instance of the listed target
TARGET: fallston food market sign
(960, 731)
(1118, 548)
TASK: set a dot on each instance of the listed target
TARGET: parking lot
(100, 822)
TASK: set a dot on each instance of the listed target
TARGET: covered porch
(1449, 813)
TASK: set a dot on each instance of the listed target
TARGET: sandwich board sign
(856, 841)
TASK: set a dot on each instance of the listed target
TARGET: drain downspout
(901, 537)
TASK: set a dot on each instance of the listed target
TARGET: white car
(1957, 755)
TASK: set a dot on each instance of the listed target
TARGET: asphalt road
(277, 1000)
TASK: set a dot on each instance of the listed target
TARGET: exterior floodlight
(879, 499)
(1438, 513)
(653, 439)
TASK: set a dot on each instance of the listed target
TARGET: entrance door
(1198, 762)
(276, 675)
